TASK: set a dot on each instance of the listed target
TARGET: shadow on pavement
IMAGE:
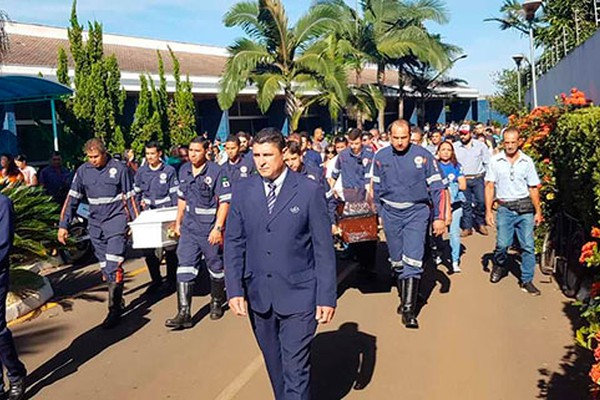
(572, 381)
(90, 344)
(342, 361)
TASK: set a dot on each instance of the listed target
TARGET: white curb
(32, 301)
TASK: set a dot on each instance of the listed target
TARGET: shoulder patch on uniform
(419, 161)
(112, 172)
(225, 182)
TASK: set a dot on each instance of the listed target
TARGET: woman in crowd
(29, 173)
(457, 182)
(10, 172)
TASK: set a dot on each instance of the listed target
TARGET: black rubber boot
(17, 389)
(399, 285)
(410, 291)
(172, 262)
(115, 305)
(183, 319)
(217, 298)
(153, 263)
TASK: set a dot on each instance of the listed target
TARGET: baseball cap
(464, 128)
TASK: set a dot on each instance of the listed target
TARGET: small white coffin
(150, 229)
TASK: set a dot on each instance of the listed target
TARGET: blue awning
(21, 89)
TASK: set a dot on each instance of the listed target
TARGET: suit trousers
(8, 353)
(285, 344)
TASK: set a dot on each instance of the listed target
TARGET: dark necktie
(271, 197)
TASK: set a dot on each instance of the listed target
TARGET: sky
(200, 21)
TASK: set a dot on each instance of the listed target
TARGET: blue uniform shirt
(7, 227)
(354, 168)
(512, 181)
(474, 158)
(156, 188)
(451, 173)
(203, 193)
(312, 158)
(402, 179)
(243, 168)
(109, 192)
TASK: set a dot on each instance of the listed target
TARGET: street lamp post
(530, 7)
(518, 58)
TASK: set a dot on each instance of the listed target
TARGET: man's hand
(215, 237)
(238, 306)
(489, 219)
(177, 229)
(439, 227)
(324, 314)
(62, 236)
(538, 219)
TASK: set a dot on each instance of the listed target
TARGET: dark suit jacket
(285, 260)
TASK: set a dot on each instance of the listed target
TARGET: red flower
(596, 232)
(546, 161)
(595, 373)
(594, 293)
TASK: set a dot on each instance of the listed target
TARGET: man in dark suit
(279, 257)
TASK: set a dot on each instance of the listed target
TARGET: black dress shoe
(497, 274)
(17, 390)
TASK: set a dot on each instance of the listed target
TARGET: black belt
(475, 176)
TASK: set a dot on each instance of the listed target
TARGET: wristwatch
(219, 228)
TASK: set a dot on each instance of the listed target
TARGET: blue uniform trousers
(8, 353)
(192, 245)
(110, 252)
(405, 233)
(474, 206)
(285, 344)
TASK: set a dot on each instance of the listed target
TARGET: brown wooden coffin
(359, 229)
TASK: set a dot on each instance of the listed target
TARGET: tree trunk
(292, 106)
(401, 95)
(381, 84)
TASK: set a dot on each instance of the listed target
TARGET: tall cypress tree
(182, 111)
(97, 106)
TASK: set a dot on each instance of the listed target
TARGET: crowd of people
(259, 213)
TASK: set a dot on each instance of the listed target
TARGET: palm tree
(278, 59)
(4, 39)
(425, 83)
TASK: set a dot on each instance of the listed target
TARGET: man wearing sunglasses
(513, 179)
(474, 157)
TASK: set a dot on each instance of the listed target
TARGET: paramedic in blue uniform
(155, 185)
(107, 186)
(279, 258)
(237, 165)
(406, 183)
(294, 161)
(353, 166)
(8, 353)
(204, 196)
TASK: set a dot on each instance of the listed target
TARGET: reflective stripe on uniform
(205, 211)
(130, 194)
(137, 189)
(174, 189)
(147, 201)
(114, 258)
(225, 197)
(75, 194)
(187, 270)
(396, 264)
(105, 200)
(102, 264)
(162, 201)
(434, 178)
(376, 179)
(399, 206)
(412, 262)
(180, 193)
(219, 275)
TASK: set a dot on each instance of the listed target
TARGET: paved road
(477, 341)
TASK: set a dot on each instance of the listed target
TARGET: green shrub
(36, 216)
(574, 149)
